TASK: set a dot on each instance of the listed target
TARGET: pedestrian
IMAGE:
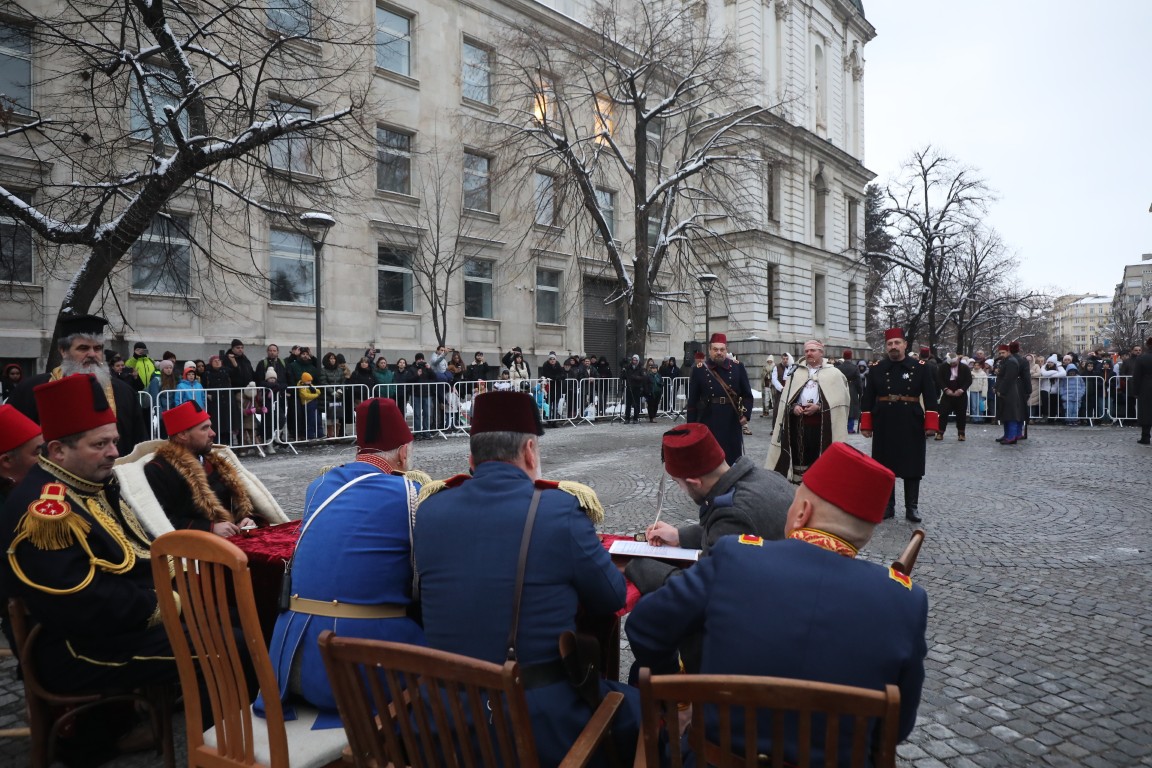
(954, 380)
(189, 388)
(720, 396)
(899, 408)
(1142, 389)
(239, 368)
(653, 389)
(633, 377)
(852, 377)
(813, 414)
(804, 608)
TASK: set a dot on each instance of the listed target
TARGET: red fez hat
(15, 428)
(698, 356)
(893, 333)
(925, 350)
(184, 416)
(72, 405)
(380, 425)
(1002, 348)
(690, 451)
(847, 479)
(1014, 347)
(503, 411)
(718, 338)
(846, 354)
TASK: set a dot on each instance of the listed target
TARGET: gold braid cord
(430, 488)
(587, 498)
(418, 476)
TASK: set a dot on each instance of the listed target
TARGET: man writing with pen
(739, 499)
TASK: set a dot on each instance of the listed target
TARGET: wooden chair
(48, 711)
(444, 696)
(206, 572)
(796, 707)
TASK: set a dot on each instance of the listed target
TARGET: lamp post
(317, 224)
(891, 313)
(707, 282)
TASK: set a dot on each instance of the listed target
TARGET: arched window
(820, 91)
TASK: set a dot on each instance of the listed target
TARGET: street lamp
(891, 313)
(317, 224)
(707, 282)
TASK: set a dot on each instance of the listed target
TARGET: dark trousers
(632, 404)
(805, 441)
(653, 406)
(911, 494)
(953, 404)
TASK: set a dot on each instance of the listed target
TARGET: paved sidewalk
(1036, 565)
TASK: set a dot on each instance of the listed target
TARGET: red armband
(866, 421)
(931, 421)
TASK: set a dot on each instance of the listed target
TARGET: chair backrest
(837, 720)
(445, 696)
(209, 573)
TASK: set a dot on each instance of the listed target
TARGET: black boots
(910, 514)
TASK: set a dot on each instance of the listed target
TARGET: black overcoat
(898, 426)
(1142, 388)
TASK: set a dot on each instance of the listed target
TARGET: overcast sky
(1050, 101)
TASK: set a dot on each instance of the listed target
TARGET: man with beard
(20, 442)
(813, 414)
(899, 403)
(1013, 385)
(82, 351)
(187, 482)
(720, 396)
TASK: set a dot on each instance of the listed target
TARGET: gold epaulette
(584, 494)
(435, 486)
(418, 476)
(50, 523)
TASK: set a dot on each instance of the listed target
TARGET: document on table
(644, 549)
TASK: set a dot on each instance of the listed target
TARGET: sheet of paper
(644, 549)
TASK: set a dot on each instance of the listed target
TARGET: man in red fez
(720, 396)
(1141, 389)
(81, 348)
(1013, 387)
(352, 570)
(20, 442)
(77, 556)
(469, 532)
(803, 608)
(188, 482)
(899, 404)
(738, 499)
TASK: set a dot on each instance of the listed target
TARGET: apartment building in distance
(1079, 321)
(790, 276)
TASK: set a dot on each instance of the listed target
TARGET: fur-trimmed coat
(167, 489)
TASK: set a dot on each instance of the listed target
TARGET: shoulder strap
(520, 564)
(727, 391)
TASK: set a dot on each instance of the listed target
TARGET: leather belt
(898, 399)
(719, 401)
(337, 610)
(542, 674)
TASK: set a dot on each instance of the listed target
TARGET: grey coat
(747, 499)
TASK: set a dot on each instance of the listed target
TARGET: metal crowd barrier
(320, 413)
(1122, 405)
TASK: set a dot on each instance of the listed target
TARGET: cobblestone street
(1036, 565)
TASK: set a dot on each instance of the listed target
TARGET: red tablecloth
(267, 550)
(633, 593)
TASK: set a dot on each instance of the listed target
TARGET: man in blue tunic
(720, 396)
(352, 570)
(803, 607)
(468, 538)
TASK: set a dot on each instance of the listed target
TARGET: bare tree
(877, 240)
(645, 110)
(932, 203)
(213, 104)
(1126, 328)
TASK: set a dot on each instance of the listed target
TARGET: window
(604, 121)
(852, 307)
(544, 107)
(654, 228)
(772, 278)
(853, 222)
(161, 258)
(606, 202)
(654, 130)
(15, 68)
(477, 182)
(393, 161)
(818, 283)
(291, 267)
(547, 296)
(291, 152)
(291, 18)
(655, 316)
(772, 195)
(478, 288)
(162, 91)
(546, 203)
(820, 198)
(393, 279)
(476, 77)
(393, 41)
(15, 248)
